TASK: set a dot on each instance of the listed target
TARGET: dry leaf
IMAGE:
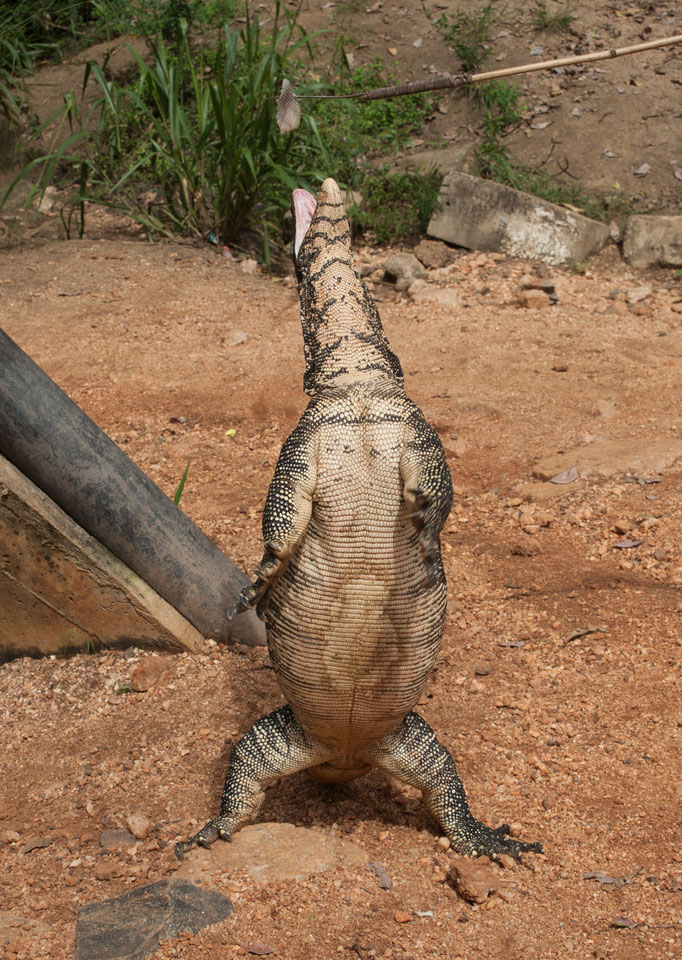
(642, 170)
(613, 883)
(627, 544)
(566, 476)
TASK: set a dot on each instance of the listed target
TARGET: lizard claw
(213, 830)
(474, 839)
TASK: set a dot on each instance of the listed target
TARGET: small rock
(10, 836)
(442, 296)
(257, 948)
(434, 254)
(249, 267)
(533, 299)
(379, 872)
(403, 268)
(130, 927)
(267, 851)
(638, 293)
(641, 310)
(622, 526)
(237, 337)
(36, 843)
(139, 825)
(474, 880)
(476, 687)
(151, 672)
(560, 366)
(444, 842)
(48, 199)
(110, 871)
(526, 547)
(400, 917)
(116, 839)
(483, 669)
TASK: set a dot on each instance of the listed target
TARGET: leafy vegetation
(397, 206)
(191, 145)
(559, 22)
(467, 34)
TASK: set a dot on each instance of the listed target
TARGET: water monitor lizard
(351, 585)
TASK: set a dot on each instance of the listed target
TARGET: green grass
(559, 22)
(181, 486)
(467, 35)
(190, 146)
(396, 206)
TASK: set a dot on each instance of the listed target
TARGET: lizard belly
(353, 632)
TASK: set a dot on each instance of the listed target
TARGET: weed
(181, 486)
(192, 146)
(579, 267)
(396, 206)
(467, 34)
(355, 131)
(502, 111)
(122, 688)
(556, 22)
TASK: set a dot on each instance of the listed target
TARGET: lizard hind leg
(413, 754)
(275, 746)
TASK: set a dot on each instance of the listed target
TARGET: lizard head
(343, 338)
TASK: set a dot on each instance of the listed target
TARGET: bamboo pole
(464, 79)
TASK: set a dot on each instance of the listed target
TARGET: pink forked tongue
(303, 205)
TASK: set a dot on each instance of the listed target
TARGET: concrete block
(484, 215)
(652, 241)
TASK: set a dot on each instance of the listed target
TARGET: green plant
(192, 146)
(122, 688)
(396, 206)
(579, 267)
(355, 131)
(557, 22)
(502, 111)
(181, 486)
(467, 34)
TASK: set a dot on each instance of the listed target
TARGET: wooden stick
(464, 79)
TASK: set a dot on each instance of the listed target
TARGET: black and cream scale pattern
(351, 584)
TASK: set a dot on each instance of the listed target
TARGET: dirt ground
(575, 741)
(180, 354)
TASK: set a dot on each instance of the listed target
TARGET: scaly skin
(351, 584)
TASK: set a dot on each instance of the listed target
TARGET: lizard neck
(343, 338)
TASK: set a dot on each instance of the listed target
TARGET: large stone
(272, 851)
(484, 215)
(613, 457)
(130, 927)
(653, 241)
(61, 591)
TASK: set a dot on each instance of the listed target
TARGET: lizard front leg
(276, 745)
(427, 488)
(287, 511)
(414, 755)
